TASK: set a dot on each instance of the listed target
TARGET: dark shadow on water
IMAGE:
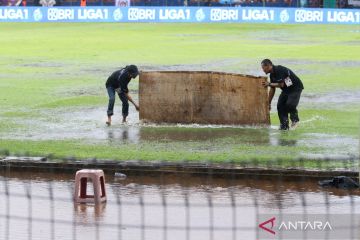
(254, 136)
(259, 136)
(281, 138)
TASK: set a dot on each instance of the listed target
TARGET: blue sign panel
(180, 14)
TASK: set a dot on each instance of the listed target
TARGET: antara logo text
(270, 226)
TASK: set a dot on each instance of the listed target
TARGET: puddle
(345, 146)
(145, 207)
(88, 124)
(350, 43)
(43, 65)
(343, 97)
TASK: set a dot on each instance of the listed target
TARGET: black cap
(132, 69)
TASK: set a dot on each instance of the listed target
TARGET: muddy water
(159, 207)
(88, 125)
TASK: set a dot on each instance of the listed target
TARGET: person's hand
(137, 108)
(265, 84)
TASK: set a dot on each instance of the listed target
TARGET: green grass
(47, 69)
(277, 157)
(149, 151)
(73, 101)
(328, 121)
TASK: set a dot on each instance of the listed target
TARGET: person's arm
(273, 85)
(132, 101)
(271, 96)
(283, 73)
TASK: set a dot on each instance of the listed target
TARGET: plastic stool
(98, 179)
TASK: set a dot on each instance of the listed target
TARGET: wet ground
(40, 206)
(55, 90)
(86, 124)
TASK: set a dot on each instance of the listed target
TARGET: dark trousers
(286, 106)
(123, 98)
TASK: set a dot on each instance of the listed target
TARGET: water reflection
(139, 180)
(157, 199)
(281, 138)
(123, 134)
(86, 213)
(235, 136)
(132, 134)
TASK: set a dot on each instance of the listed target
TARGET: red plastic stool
(81, 180)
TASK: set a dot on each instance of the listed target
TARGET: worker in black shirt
(291, 86)
(118, 82)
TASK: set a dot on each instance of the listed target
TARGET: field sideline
(53, 98)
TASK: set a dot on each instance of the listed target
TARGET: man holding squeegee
(118, 82)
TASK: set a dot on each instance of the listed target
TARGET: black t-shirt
(119, 79)
(283, 74)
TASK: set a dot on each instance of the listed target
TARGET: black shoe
(282, 127)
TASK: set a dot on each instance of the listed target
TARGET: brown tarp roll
(202, 97)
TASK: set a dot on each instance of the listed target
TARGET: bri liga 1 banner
(180, 14)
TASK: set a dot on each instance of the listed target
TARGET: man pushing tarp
(291, 86)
